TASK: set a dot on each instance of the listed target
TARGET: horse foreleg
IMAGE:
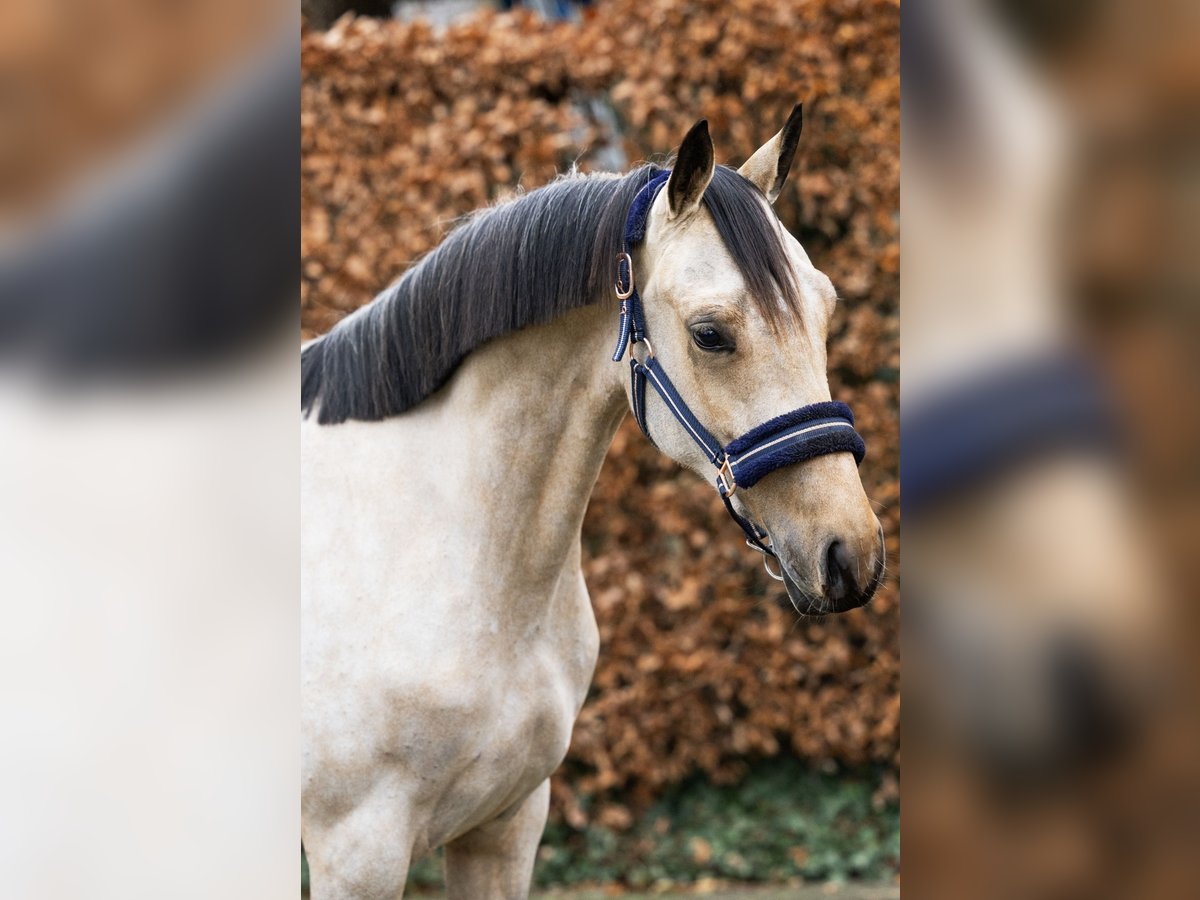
(495, 861)
(363, 856)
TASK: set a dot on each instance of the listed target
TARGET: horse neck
(541, 407)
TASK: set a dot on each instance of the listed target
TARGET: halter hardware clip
(624, 293)
(725, 479)
(649, 348)
(767, 552)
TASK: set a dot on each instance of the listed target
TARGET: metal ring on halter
(767, 566)
(626, 294)
(649, 347)
(766, 561)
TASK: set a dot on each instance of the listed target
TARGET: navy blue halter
(813, 430)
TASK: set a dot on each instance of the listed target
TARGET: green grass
(783, 822)
(772, 892)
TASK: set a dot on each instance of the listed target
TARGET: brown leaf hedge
(405, 128)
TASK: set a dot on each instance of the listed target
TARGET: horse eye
(708, 338)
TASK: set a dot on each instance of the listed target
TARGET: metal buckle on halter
(725, 478)
(624, 294)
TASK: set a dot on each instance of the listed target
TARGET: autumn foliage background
(406, 128)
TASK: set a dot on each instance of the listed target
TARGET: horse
(452, 431)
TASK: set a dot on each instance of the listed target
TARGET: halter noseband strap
(813, 430)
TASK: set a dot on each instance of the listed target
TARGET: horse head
(739, 317)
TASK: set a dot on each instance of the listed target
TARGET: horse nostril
(839, 577)
(1092, 721)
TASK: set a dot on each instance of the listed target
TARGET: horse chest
(526, 729)
(477, 728)
(486, 743)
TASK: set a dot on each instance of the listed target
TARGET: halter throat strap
(814, 430)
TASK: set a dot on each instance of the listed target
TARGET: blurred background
(723, 741)
(1050, 444)
(148, 467)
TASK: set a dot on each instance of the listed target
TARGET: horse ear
(692, 172)
(767, 169)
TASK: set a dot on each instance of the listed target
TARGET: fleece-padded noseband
(977, 430)
(814, 430)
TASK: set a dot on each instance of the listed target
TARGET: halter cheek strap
(813, 430)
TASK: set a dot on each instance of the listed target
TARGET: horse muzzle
(845, 577)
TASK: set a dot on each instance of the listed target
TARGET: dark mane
(511, 266)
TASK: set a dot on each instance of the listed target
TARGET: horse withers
(452, 432)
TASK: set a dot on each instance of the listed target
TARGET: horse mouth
(811, 605)
(796, 598)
